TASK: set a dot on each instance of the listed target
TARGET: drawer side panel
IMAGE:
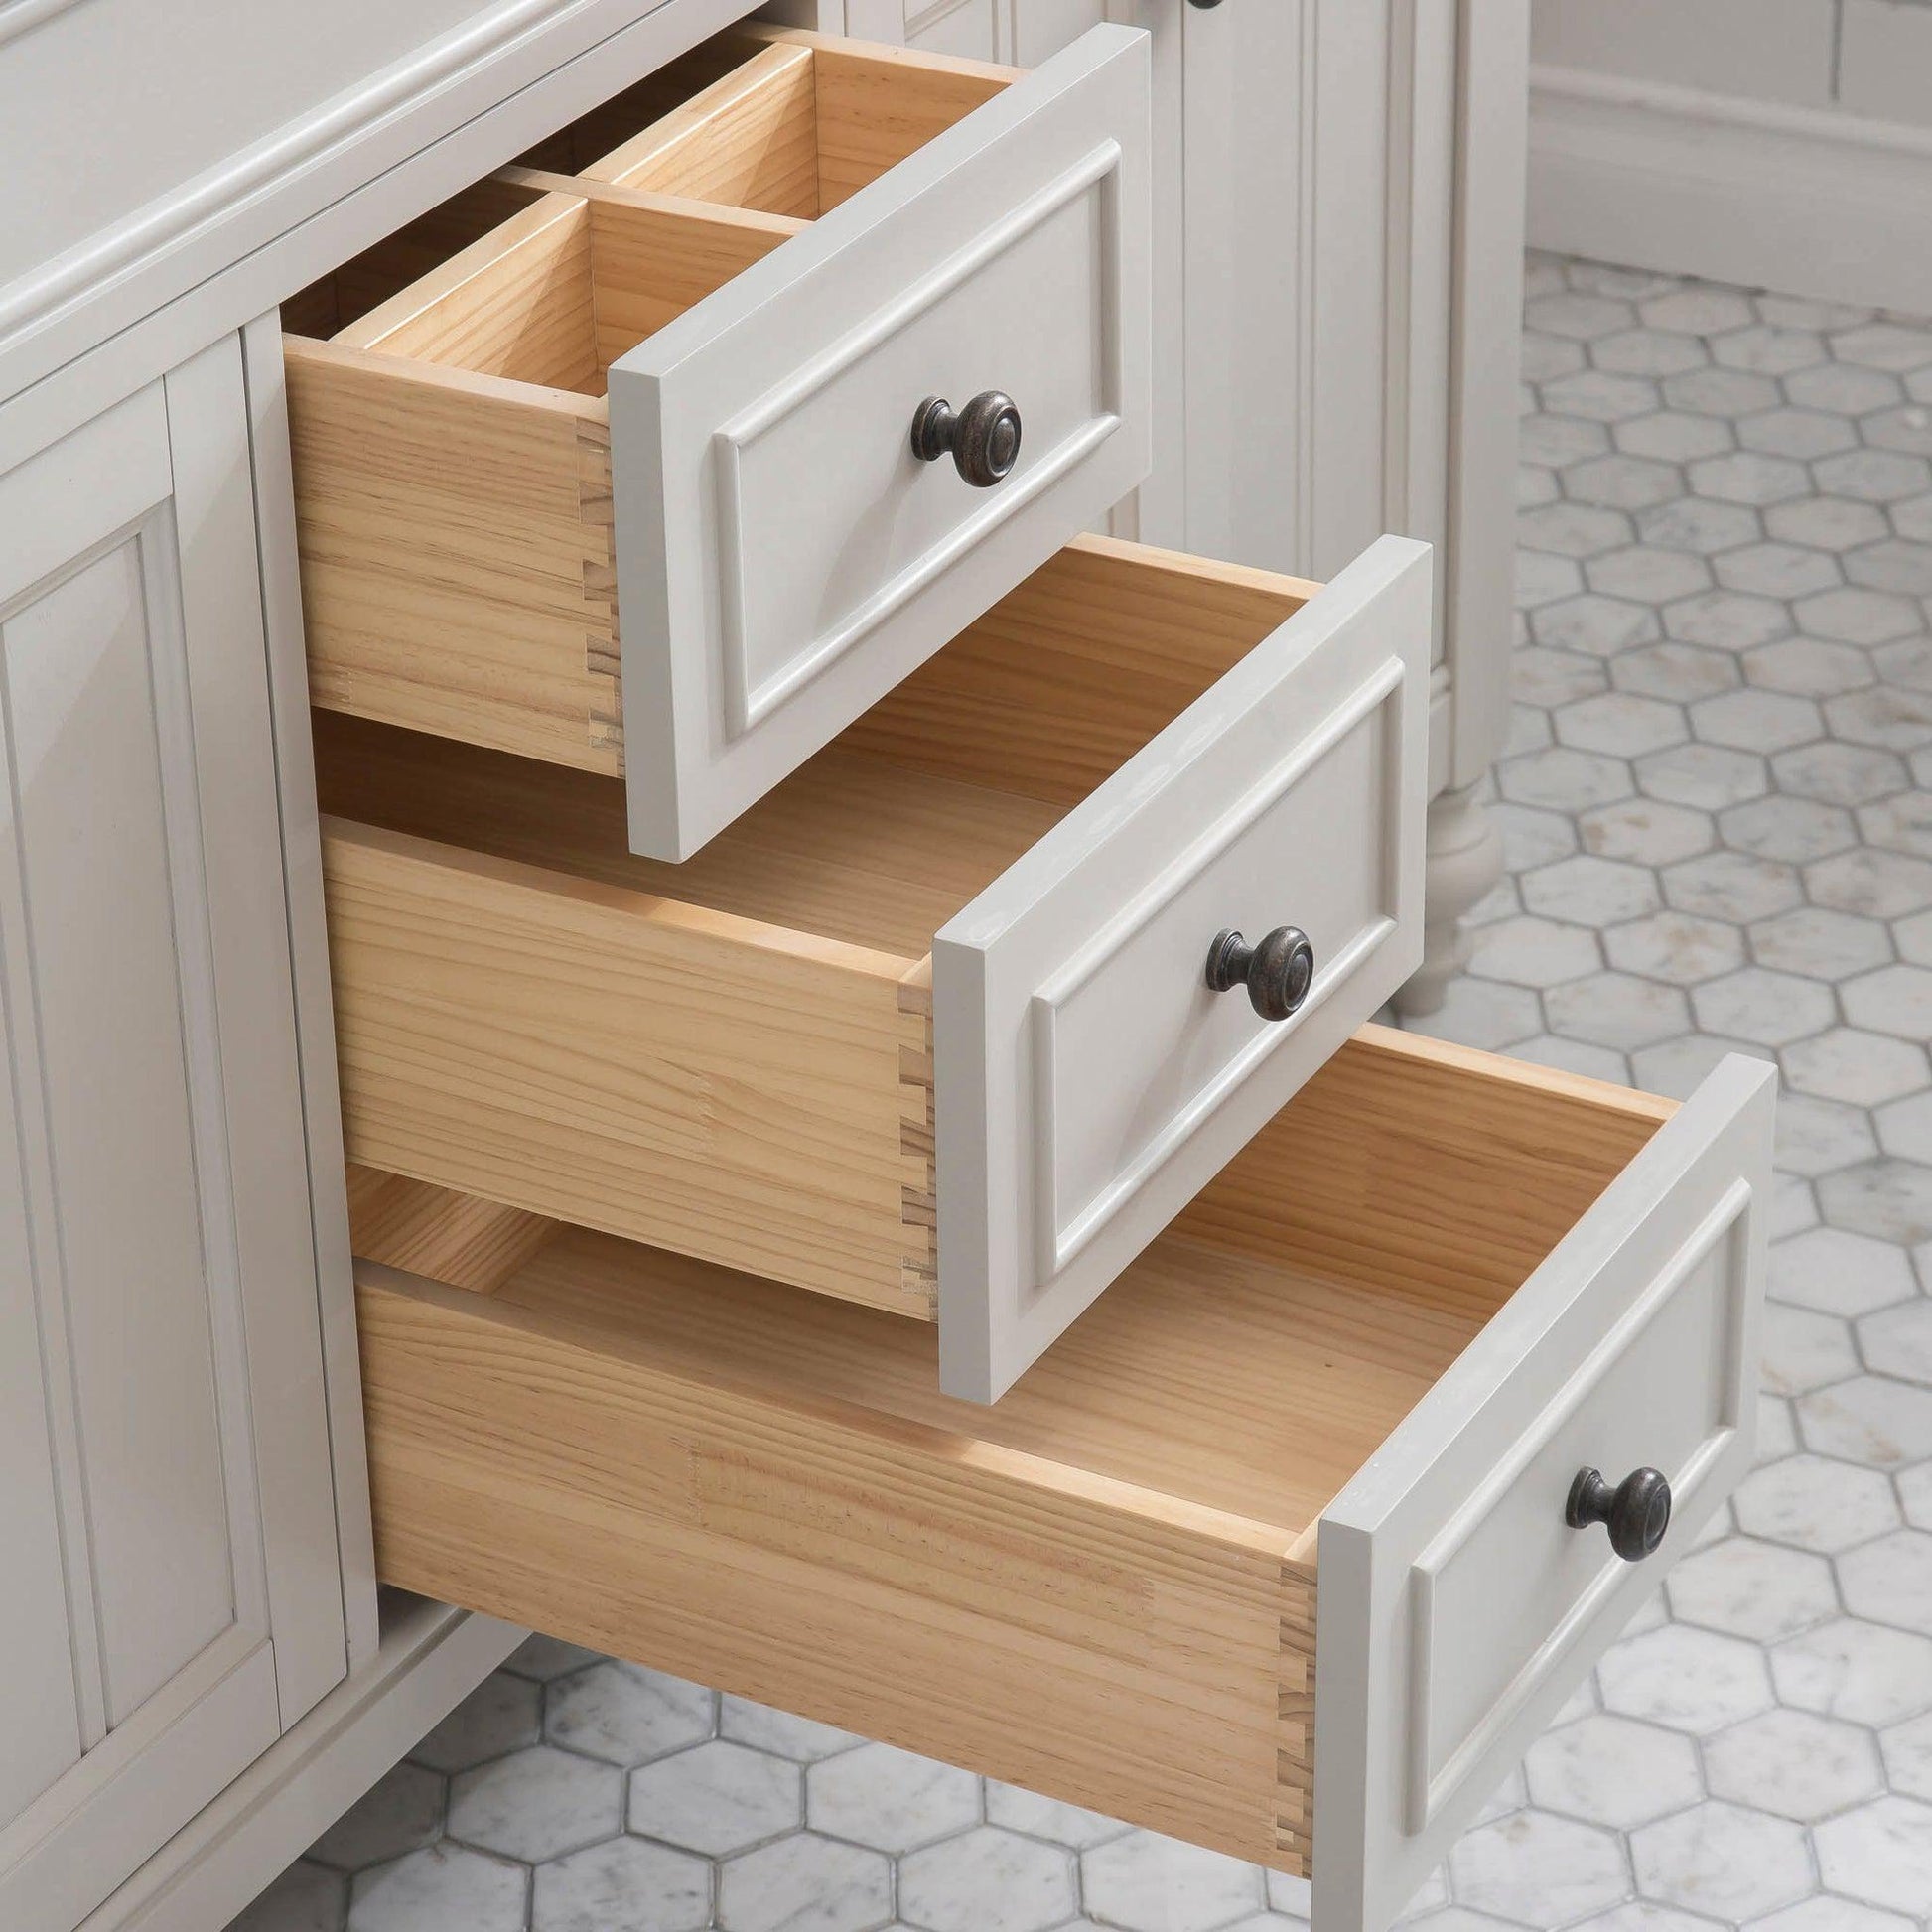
(456, 548)
(625, 1063)
(1076, 1635)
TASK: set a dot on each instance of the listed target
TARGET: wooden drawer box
(1269, 1551)
(629, 483)
(994, 896)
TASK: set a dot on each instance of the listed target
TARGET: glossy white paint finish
(1456, 1609)
(783, 559)
(1087, 1080)
(159, 1185)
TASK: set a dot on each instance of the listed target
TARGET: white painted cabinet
(170, 1596)
(1338, 231)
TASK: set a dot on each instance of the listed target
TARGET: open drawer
(929, 1026)
(630, 484)
(1268, 1552)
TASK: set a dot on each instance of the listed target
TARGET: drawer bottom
(1106, 1587)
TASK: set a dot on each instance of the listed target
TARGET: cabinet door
(171, 1599)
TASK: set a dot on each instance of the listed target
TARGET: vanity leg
(1466, 859)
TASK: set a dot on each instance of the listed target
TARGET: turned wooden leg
(1466, 859)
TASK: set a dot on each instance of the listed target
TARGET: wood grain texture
(1071, 672)
(804, 124)
(1116, 1648)
(520, 303)
(1295, 1710)
(652, 257)
(847, 850)
(622, 1061)
(839, 878)
(1442, 1172)
(349, 292)
(750, 139)
(455, 1238)
(1103, 1586)
(452, 470)
(879, 104)
(455, 539)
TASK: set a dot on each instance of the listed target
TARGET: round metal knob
(984, 437)
(1636, 1512)
(1204, 4)
(1277, 973)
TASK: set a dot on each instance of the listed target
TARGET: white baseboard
(1804, 200)
(430, 1659)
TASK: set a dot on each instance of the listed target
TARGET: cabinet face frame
(158, 1190)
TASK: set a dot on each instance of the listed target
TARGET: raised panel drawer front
(1269, 1552)
(930, 1026)
(631, 484)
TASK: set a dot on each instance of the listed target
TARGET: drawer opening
(613, 122)
(802, 124)
(347, 294)
(549, 298)
(755, 1024)
(1104, 1586)
(460, 519)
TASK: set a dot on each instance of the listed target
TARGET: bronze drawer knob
(984, 437)
(1277, 973)
(1636, 1512)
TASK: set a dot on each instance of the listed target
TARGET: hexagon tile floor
(1717, 808)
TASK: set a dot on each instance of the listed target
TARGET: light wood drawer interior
(468, 528)
(1106, 1587)
(734, 1056)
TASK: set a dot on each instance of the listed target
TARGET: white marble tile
(1804, 1349)
(1691, 1680)
(717, 1798)
(1871, 1420)
(1536, 1867)
(1814, 1503)
(992, 1880)
(625, 1714)
(1859, 1671)
(1890, 1581)
(537, 1804)
(1722, 1860)
(1823, 1913)
(1147, 1883)
(1767, 1008)
(1615, 1771)
(890, 1799)
(806, 1884)
(1794, 1763)
(1753, 1590)
(1880, 1853)
(766, 1729)
(440, 1888)
(1587, 888)
(1048, 1818)
(1907, 1750)
(622, 1884)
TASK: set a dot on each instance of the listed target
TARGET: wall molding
(1806, 200)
